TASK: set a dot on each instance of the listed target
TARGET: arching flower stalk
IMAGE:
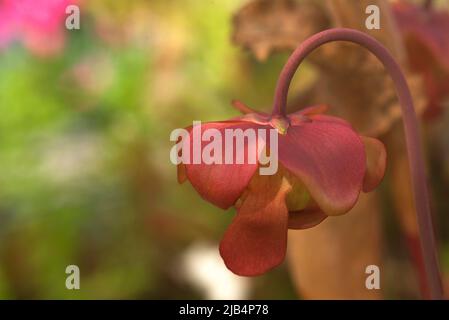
(324, 165)
(414, 150)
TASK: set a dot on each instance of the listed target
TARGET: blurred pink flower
(37, 24)
(426, 34)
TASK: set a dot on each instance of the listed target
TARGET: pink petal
(305, 219)
(314, 113)
(221, 184)
(298, 117)
(244, 109)
(256, 240)
(331, 119)
(329, 158)
(376, 162)
(313, 110)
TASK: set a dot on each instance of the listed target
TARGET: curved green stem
(416, 161)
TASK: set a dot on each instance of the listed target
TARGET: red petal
(221, 184)
(313, 113)
(296, 118)
(244, 109)
(256, 240)
(306, 218)
(376, 162)
(329, 158)
(182, 177)
(331, 119)
(313, 110)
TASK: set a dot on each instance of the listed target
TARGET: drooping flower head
(38, 24)
(426, 34)
(323, 166)
(331, 162)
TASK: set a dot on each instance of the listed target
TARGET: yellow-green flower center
(281, 124)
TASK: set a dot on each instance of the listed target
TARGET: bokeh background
(85, 176)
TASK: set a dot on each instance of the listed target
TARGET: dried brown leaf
(265, 26)
(353, 81)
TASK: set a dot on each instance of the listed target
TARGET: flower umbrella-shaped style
(426, 35)
(324, 164)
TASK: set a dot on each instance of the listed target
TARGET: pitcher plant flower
(323, 166)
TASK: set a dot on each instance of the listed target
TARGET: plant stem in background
(417, 168)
